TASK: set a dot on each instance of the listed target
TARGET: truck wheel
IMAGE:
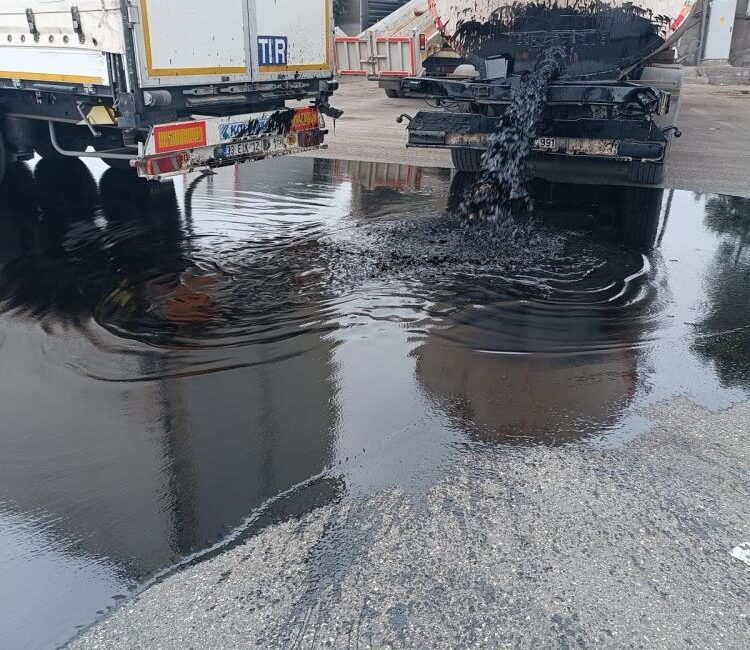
(461, 182)
(392, 94)
(69, 139)
(467, 160)
(639, 220)
(648, 173)
(45, 149)
(112, 140)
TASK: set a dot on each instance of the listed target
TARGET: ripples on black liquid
(176, 356)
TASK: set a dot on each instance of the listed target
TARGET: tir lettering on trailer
(273, 50)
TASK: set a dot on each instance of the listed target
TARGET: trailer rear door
(192, 42)
(293, 38)
(200, 42)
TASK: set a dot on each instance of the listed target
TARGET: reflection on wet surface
(185, 360)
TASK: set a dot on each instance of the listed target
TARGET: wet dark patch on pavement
(187, 363)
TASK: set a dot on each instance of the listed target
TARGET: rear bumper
(622, 140)
(181, 147)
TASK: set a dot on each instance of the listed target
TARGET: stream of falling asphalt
(500, 194)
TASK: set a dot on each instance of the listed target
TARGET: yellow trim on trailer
(62, 78)
(309, 67)
(299, 68)
(177, 72)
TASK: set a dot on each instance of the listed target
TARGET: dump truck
(164, 86)
(406, 43)
(616, 100)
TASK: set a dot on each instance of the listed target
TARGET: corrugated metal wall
(379, 9)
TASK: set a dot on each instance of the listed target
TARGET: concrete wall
(740, 54)
(740, 50)
(688, 45)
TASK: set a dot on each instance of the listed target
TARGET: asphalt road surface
(545, 548)
(711, 156)
(505, 443)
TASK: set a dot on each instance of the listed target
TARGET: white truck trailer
(164, 86)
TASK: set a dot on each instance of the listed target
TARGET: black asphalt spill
(600, 40)
(185, 363)
(501, 192)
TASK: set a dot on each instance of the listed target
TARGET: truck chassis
(624, 122)
(62, 120)
(160, 130)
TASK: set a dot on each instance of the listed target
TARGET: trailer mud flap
(181, 147)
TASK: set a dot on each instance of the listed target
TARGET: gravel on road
(567, 547)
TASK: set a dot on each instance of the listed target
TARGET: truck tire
(648, 173)
(640, 217)
(69, 138)
(68, 189)
(109, 143)
(390, 93)
(467, 160)
(45, 149)
(461, 182)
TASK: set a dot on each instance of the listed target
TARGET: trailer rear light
(423, 42)
(310, 139)
(167, 165)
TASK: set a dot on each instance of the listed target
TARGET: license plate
(547, 144)
(261, 147)
(577, 146)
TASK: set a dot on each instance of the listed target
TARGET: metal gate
(395, 56)
(351, 55)
(376, 56)
(388, 50)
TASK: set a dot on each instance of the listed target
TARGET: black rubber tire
(460, 183)
(69, 138)
(110, 142)
(47, 151)
(467, 160)
(3, 157)
(392, 94)
(648, 173)
(640, 219)
(68, 189)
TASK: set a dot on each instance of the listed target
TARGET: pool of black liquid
(176, 357)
